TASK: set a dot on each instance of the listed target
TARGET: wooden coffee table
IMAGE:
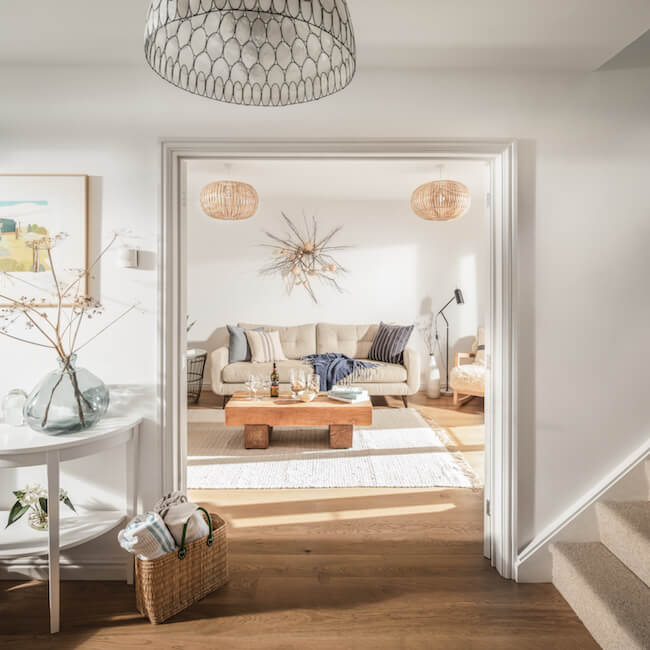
(258, 417)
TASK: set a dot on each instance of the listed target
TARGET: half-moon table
(22, 447)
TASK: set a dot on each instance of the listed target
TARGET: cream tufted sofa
(302, 340)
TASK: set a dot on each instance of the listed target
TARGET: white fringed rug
(399, 450)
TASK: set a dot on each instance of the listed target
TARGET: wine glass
(265, 383)
(314, 383)
(297, 379)
(250, 385)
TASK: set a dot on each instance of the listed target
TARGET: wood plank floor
(312, 569)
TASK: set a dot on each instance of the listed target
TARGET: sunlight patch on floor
(339, 515)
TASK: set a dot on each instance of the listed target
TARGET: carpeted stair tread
(625, 530)
(609, 599)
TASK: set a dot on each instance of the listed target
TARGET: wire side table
(196, 360)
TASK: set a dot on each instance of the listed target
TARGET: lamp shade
(252, 52)
(230, 200)
(441, 200)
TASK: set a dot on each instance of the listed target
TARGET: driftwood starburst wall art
(303, 256)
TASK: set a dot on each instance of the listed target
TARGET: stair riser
(624, 541)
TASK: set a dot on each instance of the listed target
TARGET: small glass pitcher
(12, 407)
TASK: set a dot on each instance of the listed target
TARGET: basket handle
(182, 551)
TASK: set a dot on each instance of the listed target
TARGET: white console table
(22, 447)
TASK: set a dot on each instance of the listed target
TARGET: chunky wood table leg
(257, 436)
(341, 436)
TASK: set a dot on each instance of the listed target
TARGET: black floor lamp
(458, 297)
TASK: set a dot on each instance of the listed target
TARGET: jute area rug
(399, 450)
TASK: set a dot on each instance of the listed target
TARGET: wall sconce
(128, 258)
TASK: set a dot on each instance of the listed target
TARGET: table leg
(53, 538)
(257, 436)
(341, 436)
(132, 455)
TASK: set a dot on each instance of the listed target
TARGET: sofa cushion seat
(237, 373)
(387, 373)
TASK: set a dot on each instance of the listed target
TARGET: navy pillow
(389, 343)
(238, 348)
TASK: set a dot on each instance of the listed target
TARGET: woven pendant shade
(252, 52)
(441, 200)
(230, 200)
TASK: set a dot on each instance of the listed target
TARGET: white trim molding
(501, 399)
(578, 523)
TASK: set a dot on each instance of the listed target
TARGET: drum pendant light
(229, 200)
(252, 52)
(441, 200)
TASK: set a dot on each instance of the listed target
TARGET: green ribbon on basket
(182, 551)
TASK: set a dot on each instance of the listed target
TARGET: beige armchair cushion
(297, 341)
(469, 377)
(478, 348)
(352, 340)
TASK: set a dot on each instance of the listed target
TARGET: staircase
(607, 583)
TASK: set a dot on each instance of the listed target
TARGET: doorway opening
(213, 271)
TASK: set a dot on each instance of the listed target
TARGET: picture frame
(34, 207)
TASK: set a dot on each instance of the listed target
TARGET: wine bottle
(275, 381)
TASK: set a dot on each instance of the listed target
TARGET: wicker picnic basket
(171, 583)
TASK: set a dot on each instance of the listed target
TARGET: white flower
(31, 495)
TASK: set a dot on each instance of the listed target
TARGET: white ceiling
(496, 34)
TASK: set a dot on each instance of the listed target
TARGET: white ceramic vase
(433, 378)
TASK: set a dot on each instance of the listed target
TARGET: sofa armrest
(412, 365)
(218, 361)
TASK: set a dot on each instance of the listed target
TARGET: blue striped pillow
(389, 343)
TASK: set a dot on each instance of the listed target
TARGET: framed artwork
(34, 210)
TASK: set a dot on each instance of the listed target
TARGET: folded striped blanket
(147, 536)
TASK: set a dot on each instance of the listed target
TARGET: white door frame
(501, 405)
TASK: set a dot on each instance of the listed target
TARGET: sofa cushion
(352, 340)
(297, 341)
(238, 348)
(237, 373)
(265, 346)
(387, 373)
(390, 342)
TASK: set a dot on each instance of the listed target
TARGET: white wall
(400, 267)
(583, 210)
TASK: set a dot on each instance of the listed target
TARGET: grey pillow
(238, 348)
(389, 343)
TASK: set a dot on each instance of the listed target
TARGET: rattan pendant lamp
(229, 200)
(441, 200)
(252, 52)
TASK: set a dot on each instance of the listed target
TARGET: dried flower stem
(60, 334)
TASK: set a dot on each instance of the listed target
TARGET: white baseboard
(626, 482)
(36, 569)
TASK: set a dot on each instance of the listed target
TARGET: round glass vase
(37, 519)
(68, 400)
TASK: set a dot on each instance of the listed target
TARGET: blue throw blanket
(332, 367)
